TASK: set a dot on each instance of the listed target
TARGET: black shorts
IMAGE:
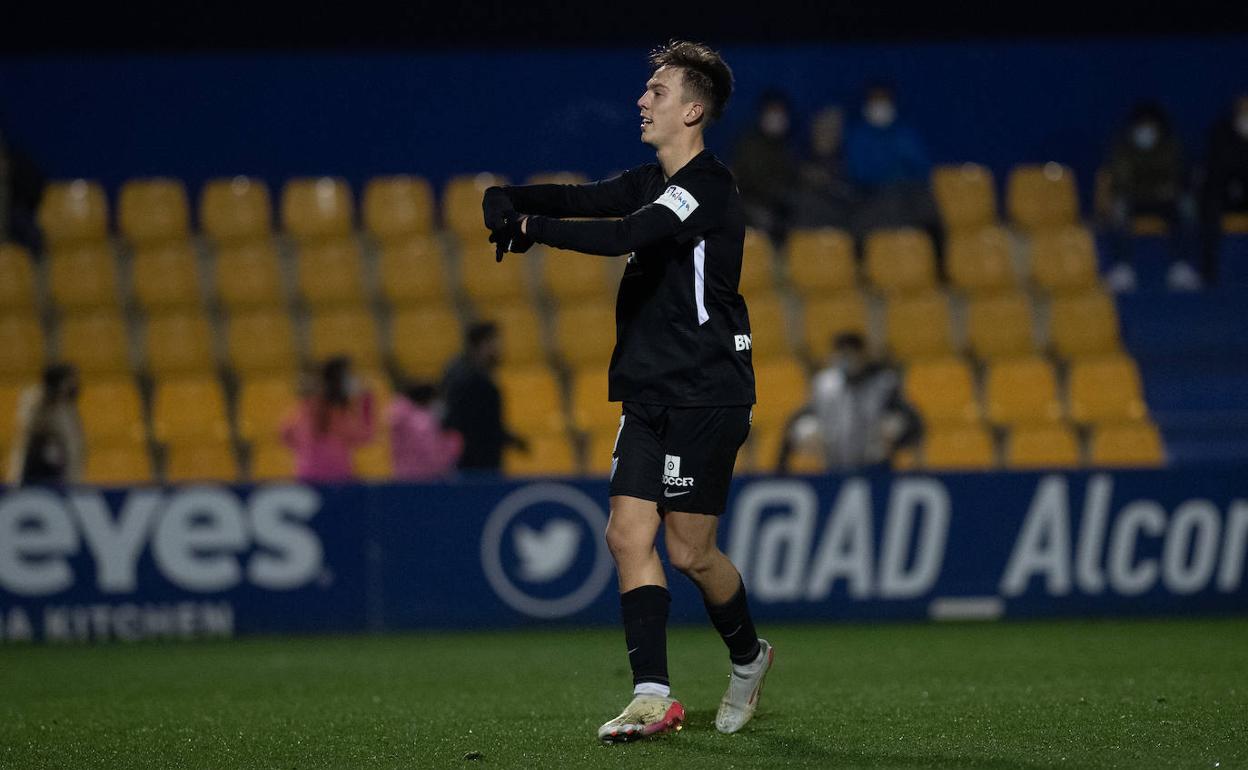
(679, 457)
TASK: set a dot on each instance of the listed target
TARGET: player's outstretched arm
(609, 238)
(613, 197)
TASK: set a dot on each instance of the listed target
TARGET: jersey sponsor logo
(742, 341)
(678, 200)
(671, 474)
(536, 554)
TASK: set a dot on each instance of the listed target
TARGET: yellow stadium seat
(111, 411)
(1127, 445)
(180, 343)
(425, 339)
(316, 208)
(943, 391)
(166, 275)
(201, 461)
(1021, 391)
(570, 277)
(1083, 324)
(345, 331)
(768, 326)
(10, 395)
(1106, 389)
(532, 402)
(374, 461)
(1000, 326)
(598, 452)
(236, 209)
(757, 264)
(825, 318)
(260, 341)
(263, 405)
(398, 207)
(591, 410)
(17, 279)
(557, 177)
(331, 272)
(585, 334)
(83, 276)
(761, 453)
(486, 281)
(1042, 195)
(248, 275)
(550, 454)
(965, 195)
(959, 448)
(21, 347)
(782, 387)
(151, 211)
(188, 410)
(272, 461)
(1063, 259)
(1042, 446)
(118, 464)
(1149, 225)
(96, 343)
(72, 212)
(919, 326)
(900, 260)
(461, 205)
(821, 261)
(1235, 223)
(412, 271)
(979, 261)
(520, 331)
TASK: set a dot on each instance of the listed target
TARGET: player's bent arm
(613, 197)
(608, 238)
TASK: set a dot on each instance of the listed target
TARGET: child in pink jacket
(421, 449)
(329, 424)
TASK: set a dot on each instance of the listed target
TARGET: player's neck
(674, 156)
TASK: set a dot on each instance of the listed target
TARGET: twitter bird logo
(547, 553)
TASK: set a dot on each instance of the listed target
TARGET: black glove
(496, 206)
(508, 237)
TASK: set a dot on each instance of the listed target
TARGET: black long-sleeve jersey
(682, 329)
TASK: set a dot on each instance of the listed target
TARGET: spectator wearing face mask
(827, 197)
(856, 414)
(1147, 178)
(887, 162)
(49, 446)
(1225, 188)
(331, 422)
(766, 169)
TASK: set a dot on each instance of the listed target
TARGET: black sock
(645, 631)
(732, 621)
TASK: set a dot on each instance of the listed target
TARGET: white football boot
(645, 716)
(744, 690)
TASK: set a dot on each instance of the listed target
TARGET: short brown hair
(707, 76)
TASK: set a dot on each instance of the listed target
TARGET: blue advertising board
(85, 564)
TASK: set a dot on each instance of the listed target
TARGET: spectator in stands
(21, 187)
(860, 419)
(826, 197)
(1225, 187)
(421, 449)
(474, 404)
(331, 421)
(888, 164)
(49, 446)
(766, 168)
(1147, 178)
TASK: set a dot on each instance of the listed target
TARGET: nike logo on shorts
(676, 494)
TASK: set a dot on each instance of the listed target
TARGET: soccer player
(681, 366)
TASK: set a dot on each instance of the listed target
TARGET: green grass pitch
(1138, 694)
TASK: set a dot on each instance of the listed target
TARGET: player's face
(663, 109)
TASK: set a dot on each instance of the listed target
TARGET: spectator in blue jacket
(887, 161)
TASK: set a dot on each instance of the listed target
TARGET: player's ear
(694, 114)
